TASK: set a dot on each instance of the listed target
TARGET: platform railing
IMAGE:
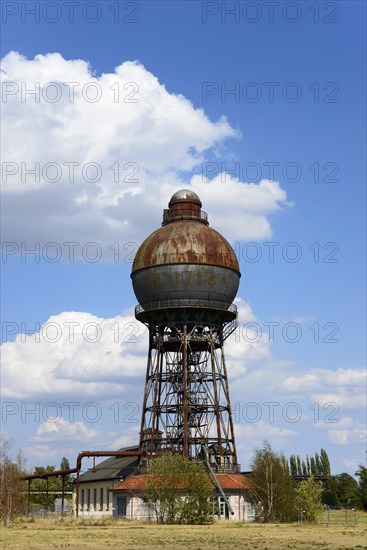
(185, 302)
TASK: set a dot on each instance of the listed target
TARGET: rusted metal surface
(176, 214)
(54, 473)
(185, 259)
(185, 242)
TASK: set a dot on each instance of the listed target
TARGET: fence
(339, 514)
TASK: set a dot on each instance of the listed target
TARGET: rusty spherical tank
(185, 259)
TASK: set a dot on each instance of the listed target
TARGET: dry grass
(120, 534)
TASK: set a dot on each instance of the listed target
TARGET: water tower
(185, 276)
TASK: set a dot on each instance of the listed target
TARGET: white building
(128, 498)
(94, 497)
(113, 489)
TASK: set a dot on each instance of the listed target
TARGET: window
(82, 500)
(101, 498)
(94, 499)
(88, 500)
(221, 507)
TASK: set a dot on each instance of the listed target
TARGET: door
(121, 505)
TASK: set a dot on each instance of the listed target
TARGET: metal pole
(185, 397)
(29, 496)
(62, 496)
(149, 363)
(230, 418)
(156, 381)
(77, 496)
(216, 400)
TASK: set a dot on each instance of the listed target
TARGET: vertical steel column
(62, 495)
(230, 418)
(77, 495)
(185, 396)
(149, 362)
(158, 418)
(215, 389)
(29, 495)
(154, 413)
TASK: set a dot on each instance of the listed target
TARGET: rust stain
(185, 241)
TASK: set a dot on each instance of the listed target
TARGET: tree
(309, 499)
(347, 489)
(313, 465)
(342, 490)
(325, 463)
(68, 480)
(330, 495)
(12, 496)
(318, 464)
(308, 465)
(45, 487)
(285, 464)
(293, 465)
(179, 490)
(273, 488)
(361, 473)
(299, 466)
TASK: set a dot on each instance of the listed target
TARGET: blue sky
(223, 103)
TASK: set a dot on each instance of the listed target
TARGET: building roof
(132, 483)
(227, 481)
(112, 468)
(234, 481)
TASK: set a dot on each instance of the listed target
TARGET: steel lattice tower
(185, 276)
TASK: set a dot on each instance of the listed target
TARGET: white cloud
(263, 429)
(62, 430)
(345, 399)
(344, 387)
(42, 451)
(240, 210)
(162, 134)
(295, 384)
(347, 437)
(243, 350)
(75, 354)
(351, 464)
(344, 431)
(253, 435)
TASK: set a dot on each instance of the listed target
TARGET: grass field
(120, 534)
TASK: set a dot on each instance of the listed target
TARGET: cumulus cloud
(318, 378)
(106, 168)
(62, 430)
(347, 437)
(351, 463)
(253, 435)
(344, 431)
(75, 354)
(79, 354)
(345, 387)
